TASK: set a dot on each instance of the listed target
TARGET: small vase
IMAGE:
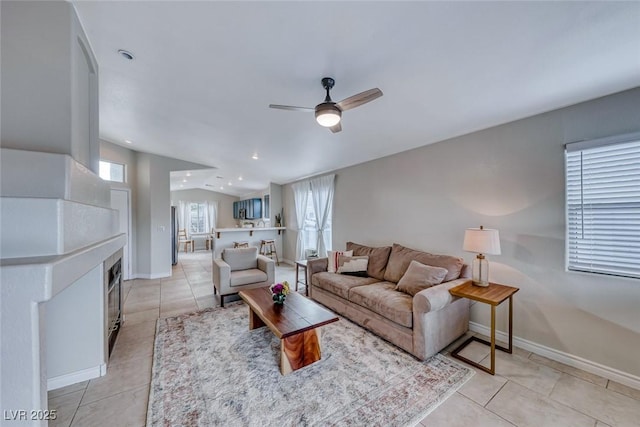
(278, 299)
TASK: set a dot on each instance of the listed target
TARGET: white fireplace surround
(57, 230)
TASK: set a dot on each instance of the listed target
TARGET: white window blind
(603, 206)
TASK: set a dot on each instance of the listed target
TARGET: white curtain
(300, 198)
(322, 197)
(211, 215)
(183, 216)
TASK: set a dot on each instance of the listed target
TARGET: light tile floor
(528, 389)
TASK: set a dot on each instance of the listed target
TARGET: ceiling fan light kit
(329, 113)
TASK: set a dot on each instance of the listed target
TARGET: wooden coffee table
(295, 323)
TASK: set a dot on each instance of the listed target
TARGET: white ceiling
(205, 72)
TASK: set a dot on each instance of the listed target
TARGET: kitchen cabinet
(248, 209)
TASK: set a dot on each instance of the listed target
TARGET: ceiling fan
(329, 113)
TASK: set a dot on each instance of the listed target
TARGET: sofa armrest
(316, 266)
(221, 275)
(267, 265)
(436, 297)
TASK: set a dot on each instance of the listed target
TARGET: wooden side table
(302, 264)
(494, 295)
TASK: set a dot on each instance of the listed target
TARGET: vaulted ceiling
(204, 74)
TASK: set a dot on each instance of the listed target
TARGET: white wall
(154, 214)
(225, 203)
(148, 177)
(49, 82)
(509, 177)
(124, 156)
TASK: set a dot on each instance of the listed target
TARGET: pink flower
(277, 288)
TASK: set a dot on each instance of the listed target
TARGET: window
(111, 171)
(603, 206)
(310, 232)
(197, 214)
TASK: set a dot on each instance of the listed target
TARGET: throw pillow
(419, 276)
(378, 258)
(333, 259)
(353, 266)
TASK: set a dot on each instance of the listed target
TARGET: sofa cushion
(352, 265)
(339, 284)
(382, 298)
(378, 258)
(241, 258)
(401, 257)
(419, 276)
(332, 256)
(244, 277)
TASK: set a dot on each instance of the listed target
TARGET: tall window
(310, 231)
(110, 171)
(603, 206)
(197, 214)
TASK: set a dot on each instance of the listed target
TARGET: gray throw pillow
(419, 276)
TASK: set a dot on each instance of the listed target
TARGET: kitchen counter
(225, 237)
(251, 230)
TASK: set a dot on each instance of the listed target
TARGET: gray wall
(509, 177)
(225, 203)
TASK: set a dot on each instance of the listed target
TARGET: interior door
(121, 201)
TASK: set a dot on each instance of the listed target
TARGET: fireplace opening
(114, 301)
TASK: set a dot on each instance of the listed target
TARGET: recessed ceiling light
(255, 156)
(126, 54)
(184, 180)
(222, 188)
(229, 183)
(239, 178)
(181, 185)
(128, 141)
(188, 173)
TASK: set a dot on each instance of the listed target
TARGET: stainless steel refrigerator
(174, 236)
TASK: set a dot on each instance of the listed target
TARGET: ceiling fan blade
(291, 108)
(359, 99)
(336, 128)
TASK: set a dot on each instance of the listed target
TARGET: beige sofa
(422, 324)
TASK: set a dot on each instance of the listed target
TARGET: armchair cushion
(244, 277)
(241, 258)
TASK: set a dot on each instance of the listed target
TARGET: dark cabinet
(247, 209)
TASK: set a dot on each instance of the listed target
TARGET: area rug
(209, 370)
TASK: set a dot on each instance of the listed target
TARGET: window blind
(603, 206)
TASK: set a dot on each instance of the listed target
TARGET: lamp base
(482, 284)
(480, 271)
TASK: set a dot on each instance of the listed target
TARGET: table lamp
(481, 241)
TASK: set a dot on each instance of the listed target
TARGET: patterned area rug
(209, 369)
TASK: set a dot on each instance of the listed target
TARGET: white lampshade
(482, 241)
(328, 115)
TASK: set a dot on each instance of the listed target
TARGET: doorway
(121, 201)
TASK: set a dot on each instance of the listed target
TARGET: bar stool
(268, 248)
(240, 244)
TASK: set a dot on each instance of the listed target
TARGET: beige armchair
(239, 269)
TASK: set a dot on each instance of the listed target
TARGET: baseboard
(76, 377)
(287, 261)
(152, 276)
(562, 357)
